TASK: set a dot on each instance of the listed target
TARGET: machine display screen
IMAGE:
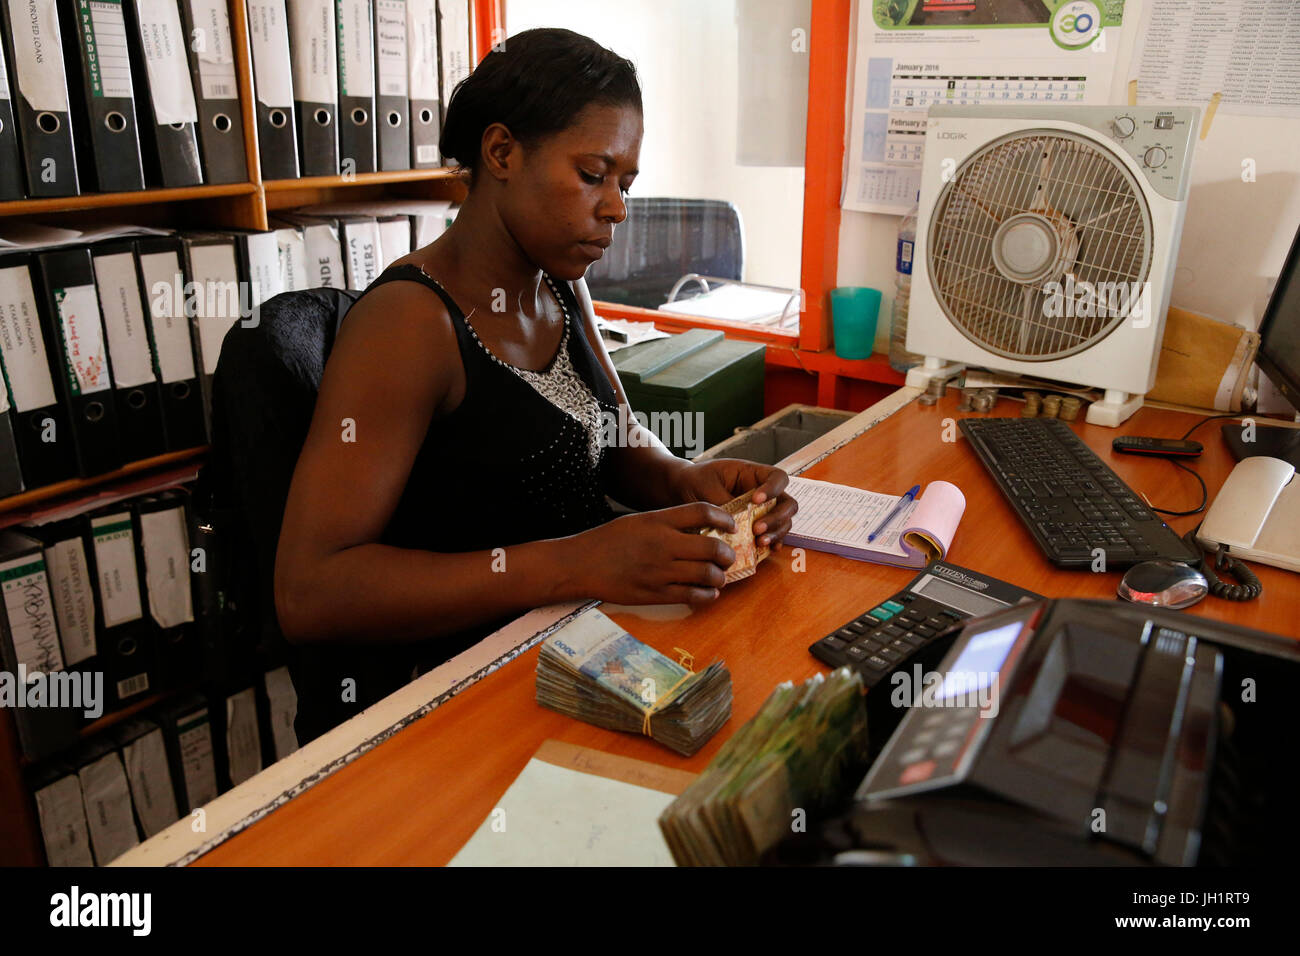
(980, 660)
(957, 597)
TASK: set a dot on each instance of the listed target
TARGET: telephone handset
(1256, 514)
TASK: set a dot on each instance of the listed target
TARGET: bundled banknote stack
(803, 751)
(594, 670)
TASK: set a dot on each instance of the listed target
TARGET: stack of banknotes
(804, 749)
(748, 553)
(594, 670)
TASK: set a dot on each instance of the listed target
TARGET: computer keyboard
(1068, 498)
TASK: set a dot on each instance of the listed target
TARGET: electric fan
(1046, 241)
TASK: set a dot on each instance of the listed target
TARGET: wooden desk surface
(418, 797)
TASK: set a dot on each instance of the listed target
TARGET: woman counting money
(473, 485)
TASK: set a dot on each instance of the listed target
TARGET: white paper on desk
(838, 519)
(553, 816)
(900, 71)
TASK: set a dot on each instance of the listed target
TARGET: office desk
(417, 797)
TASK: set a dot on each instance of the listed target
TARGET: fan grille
(1038, 244)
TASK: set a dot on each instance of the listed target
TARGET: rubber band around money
(686, 656)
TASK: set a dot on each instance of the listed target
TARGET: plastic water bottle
(900, 359)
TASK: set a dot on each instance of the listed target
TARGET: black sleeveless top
(505, 467)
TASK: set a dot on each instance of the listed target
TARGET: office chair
(263, 395)
(662, 240)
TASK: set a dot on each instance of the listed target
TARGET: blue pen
(916, 490)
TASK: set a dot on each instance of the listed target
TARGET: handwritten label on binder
(83, 339)
(31, 614)
(390, 46)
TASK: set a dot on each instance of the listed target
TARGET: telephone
(1256, 514)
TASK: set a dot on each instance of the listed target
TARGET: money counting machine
(1073, 732)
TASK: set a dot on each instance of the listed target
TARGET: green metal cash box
(695, 388)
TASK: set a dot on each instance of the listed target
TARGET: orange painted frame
(828, 64)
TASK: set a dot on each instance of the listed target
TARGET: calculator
(933, 605)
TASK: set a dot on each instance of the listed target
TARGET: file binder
(257, 255)
(11, 476)
(187, 732)
(42, 434)
(453, 46)
(239, 740)
(105, 128)
(72, 588)
(63, 816)
(315, 84)
(212, 71)
(360, 238)
(75, 331)
(125, 648)
(30, 650)
(394, 238)
(162, 278)
(422, 75)
(107, 796)
(282, 710)
(391, 96)
(163, 552)
(158, 46)
(35, 50)
(293, 258)
(11, 161)
(356, 71)
(322, 251)
(144, 757)
(273, 88)
(219, 303)
(135, 383)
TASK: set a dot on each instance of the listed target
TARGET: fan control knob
(1155, 157)
(1124, 127)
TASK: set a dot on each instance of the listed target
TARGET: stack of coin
(933, 391)
(1070, 406)
(1051, 406)
(1033, 404)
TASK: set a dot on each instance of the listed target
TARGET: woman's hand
(723, 479)
(655, 557)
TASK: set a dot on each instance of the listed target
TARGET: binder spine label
(293, 259)
(390, 45)
(108, 808)
(163, 41)
(356, 59)
(83, 339)
(324, 256)
(283, 700)
(63, 823)
(30, 613)
(422, 48)
(119, 586)
(4, 75)
(38, 55)
(128, 342)
(243, 745)
(218, 308)
(151, 782)
(216, 61)
(167, 566)
(454, 49)
(270, 42)
(107, 61)
(171, 332)
(315, 67)
(74, 605)
(194, 734)
(26, 368)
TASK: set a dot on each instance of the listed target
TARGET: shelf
(24, 506)
(874, 369)
(360, 179)
(143, 197)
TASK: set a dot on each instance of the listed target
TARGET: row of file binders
(117, 95)
(109, 348)
(354, 86)
(137, 778)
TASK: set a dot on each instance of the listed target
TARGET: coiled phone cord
(1249, 587)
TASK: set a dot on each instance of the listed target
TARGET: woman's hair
(535, 85)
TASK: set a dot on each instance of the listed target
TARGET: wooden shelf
(142, 197)
(19, 507)
(360, 179)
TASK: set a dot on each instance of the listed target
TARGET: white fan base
(1114, 409)
(931, 368)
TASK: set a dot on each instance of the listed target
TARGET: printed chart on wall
(1237, 57)
(913, 54)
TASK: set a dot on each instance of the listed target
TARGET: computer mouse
(1163, 584)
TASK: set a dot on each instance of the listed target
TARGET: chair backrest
(662, 240)
(263, 394)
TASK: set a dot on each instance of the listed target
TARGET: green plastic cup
(854, 311)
